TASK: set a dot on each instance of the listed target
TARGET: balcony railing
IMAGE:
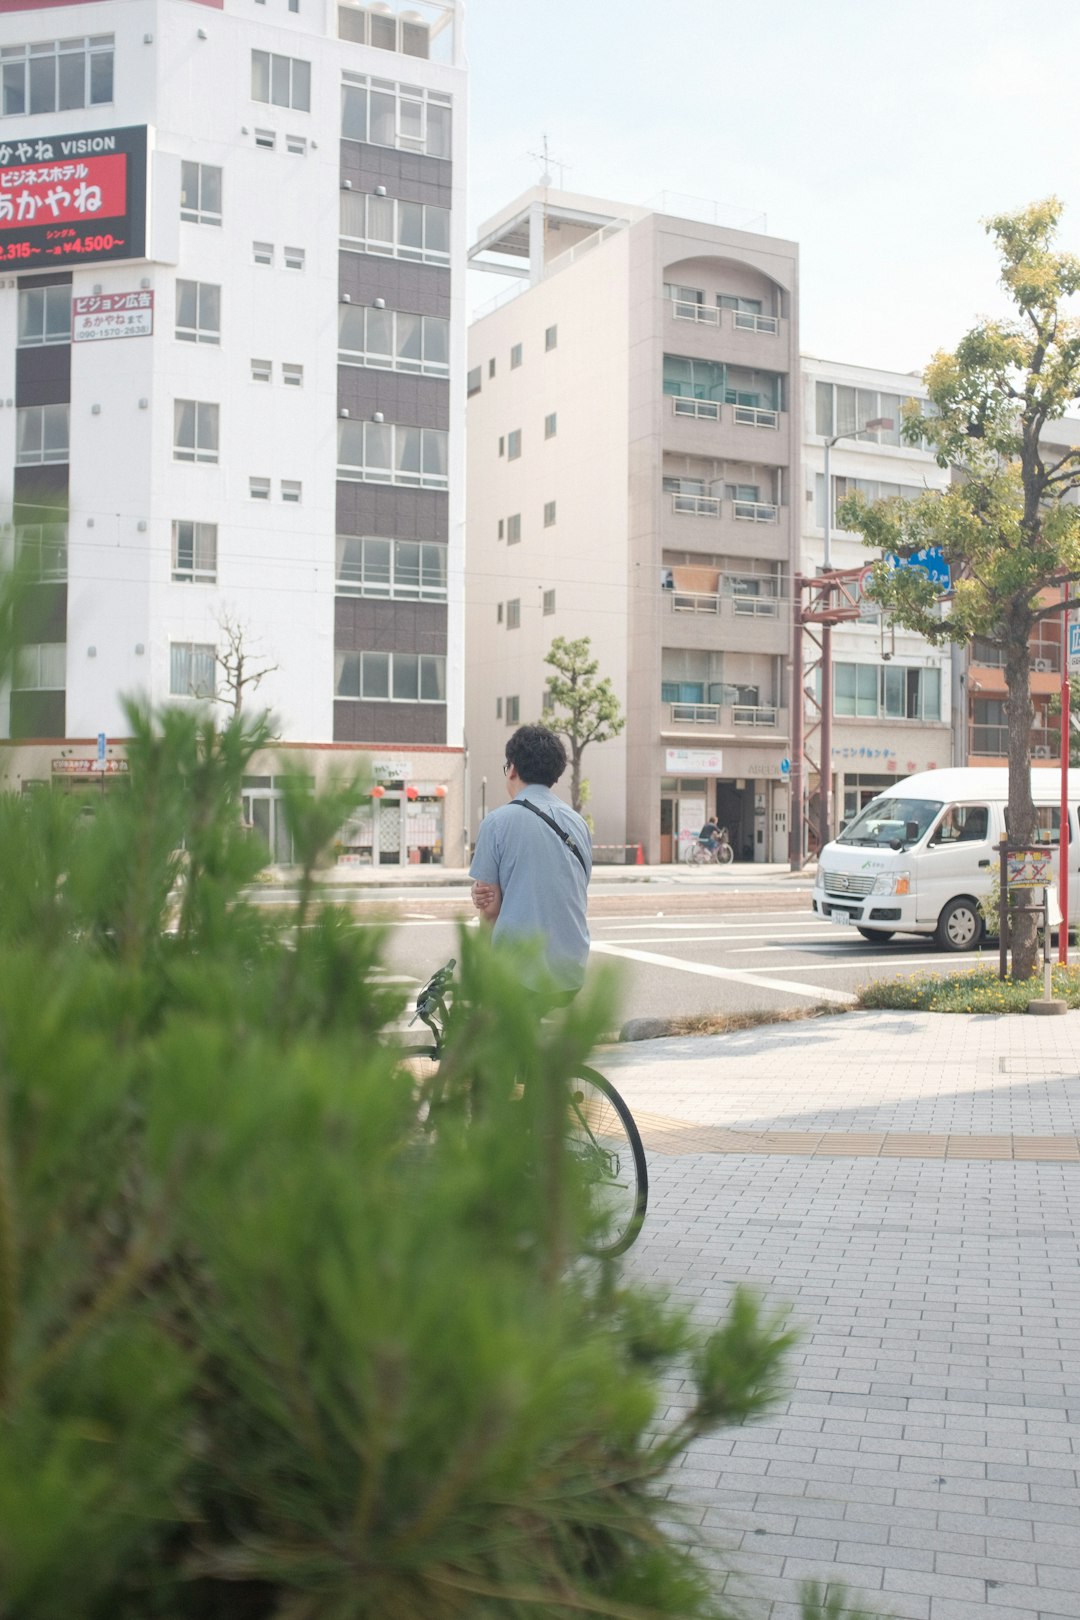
(756, 607)
(684, 310)
(747, 321)
(706, 410)
(762, 717)
(697, 505)
(42, 548)
(710, 602)
(992, 742)
(756, 511)
(756, 416)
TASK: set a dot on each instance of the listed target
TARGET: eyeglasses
(506, 766)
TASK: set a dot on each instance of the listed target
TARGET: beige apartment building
(634, 477)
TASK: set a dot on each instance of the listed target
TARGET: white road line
(881, 962)
(716, 939)
(732, 975)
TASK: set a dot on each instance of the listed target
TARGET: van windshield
(888, 821)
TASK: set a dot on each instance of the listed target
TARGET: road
(686, 952)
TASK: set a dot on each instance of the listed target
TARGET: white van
(919, 858)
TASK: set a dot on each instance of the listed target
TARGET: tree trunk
(575, 779)
(1021, 715)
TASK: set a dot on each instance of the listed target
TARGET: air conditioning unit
(1041, 666)
(1042, 752)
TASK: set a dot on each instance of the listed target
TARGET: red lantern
(440, 791)
(412, 792)
(378, 791)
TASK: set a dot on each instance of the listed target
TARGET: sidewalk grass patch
(975, 990)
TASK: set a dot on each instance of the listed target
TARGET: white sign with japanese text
(694, 761)
(112, 315)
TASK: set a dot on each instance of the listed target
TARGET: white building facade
(232, 385)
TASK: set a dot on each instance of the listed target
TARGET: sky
(876, 136)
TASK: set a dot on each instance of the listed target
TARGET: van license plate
(841, 917)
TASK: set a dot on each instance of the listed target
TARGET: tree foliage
(1005, 524)
(581, 709)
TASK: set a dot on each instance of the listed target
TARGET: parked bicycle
(603, 1137)
(700, 853)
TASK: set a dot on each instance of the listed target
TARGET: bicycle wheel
(725, 855)
(605, 1143)
(690, 855)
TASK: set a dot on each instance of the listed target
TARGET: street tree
(242, 669)
(1006, 524)
(578, 707)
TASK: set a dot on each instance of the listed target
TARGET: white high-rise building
(233, 349)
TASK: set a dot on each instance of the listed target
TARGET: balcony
(756, 416)
(755, 511)
(745, 321)
(992, 742)
(705, 314)
(724, 720)
(705, 410)
(694, 505)
(742, 607)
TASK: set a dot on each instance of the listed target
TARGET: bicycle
(698, 853)
(603, 1137)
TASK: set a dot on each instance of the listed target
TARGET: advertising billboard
(73, 199)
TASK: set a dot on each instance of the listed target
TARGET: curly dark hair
(536, 754)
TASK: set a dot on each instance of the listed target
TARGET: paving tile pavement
(928, 1453)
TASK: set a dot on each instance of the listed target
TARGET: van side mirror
(911, 831)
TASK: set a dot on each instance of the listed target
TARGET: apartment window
(200, 193)
(400, 115)
(41, 434)
(198, 312)
(262, 252)
(513, 445)
(892, 691)
(491, 368)
(394, 677)
(872, 489)
(502, 445)
(498, 708)
(294, 5)
(549, 514)
(839, 408)
(410, 570)
(513, 613)
(194, 553)
(551, 425)
(296, 145)
(262, 371)
(472, 382)
(56, 75)
(502, 527)
(44, 315)
(283, 81)
(259, 489)
(410, 35)
(42, 550)
(292, 376)
(394, 340)
(195, 430)
(515, 357)
(498, 613)
(391, 453)
(549, 602)
(192, 669)
(384, 226)
(294, 257)
(41, 667)
(551, 338)
(265, 138)
(513, 711)
(291, 491)
(513, 529)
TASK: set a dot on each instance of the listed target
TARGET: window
(291, 491)
(513, 711)
(513, 614)
(513, 529)
(551, 338)
(194, 553)
(294, 5)
(200, 193)
(502, 445)
(491, 368)
(262, 371)
(283, 81)
(410, 35)
(515, 357)
(472, 382)
(389, 453)
(549, 602)
(551, 425)
(192, 669)
(513, 445)
(749, 306)
(893, 691)
(56, 75)
(401, 115)
(686, 378)
(195, 430)
(41, 434)
(42, 550)
(292, 376)
(409, 570)
(198, 312)
(874, 489)
(44, 315)
(498, 613)
(498, 708)
(502, 527)
(962, 824)
(393, 340)
(294, 257)
(549, 514)
(395, 230)
(41, 667)
(296, 145)
(262, 252)
(259, 489)
(266, 139)
(396, 677)
(839, 408)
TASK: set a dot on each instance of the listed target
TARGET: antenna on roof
(545, 158)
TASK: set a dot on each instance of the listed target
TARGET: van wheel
(876, 935)
(960, 926)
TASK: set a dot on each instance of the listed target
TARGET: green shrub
(974, 990)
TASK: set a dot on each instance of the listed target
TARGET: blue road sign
(785, 767)
(1074, 646)
(929, 561)
(101, 747)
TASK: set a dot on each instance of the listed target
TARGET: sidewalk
(910, 1186)
(381, 877)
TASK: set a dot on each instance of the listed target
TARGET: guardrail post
(1003, 910)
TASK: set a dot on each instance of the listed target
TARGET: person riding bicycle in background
(533, 860)
(709, 836)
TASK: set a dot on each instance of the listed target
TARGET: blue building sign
(929, 561)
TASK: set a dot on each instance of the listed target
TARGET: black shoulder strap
(554, 825)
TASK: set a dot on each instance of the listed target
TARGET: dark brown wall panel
(363, 625)
(38, 714)
(399, 723)
(43, 615)
(409, 176)
(396, 514)
(414, 401)
(43, 375)
(422, 289)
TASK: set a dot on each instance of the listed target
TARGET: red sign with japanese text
(73, 196)
(112, 315)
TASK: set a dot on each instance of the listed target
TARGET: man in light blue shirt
(531, 879)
